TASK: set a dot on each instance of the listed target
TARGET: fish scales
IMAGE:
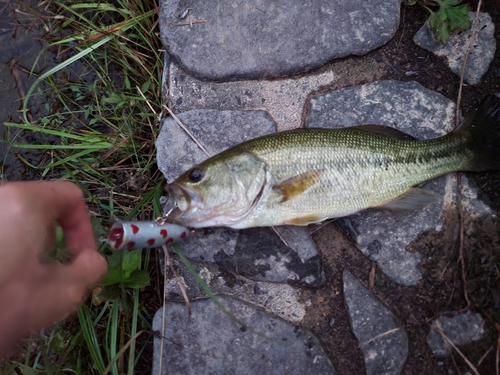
(354, 168)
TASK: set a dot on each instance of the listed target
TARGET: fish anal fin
(413, 199)
(385, 131)
(296, 185)
(304, 220)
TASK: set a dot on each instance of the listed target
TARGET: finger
(64, 288)
(88, 267)
(62, 202)
(71, 213)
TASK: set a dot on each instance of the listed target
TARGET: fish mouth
(183, 198)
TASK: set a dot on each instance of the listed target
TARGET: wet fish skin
(305, 176)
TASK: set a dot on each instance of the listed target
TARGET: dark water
(20, 44)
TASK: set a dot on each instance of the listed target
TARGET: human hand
(35, 293)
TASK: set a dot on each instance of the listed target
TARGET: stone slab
(210, 342)
(260, 39)
(256, 253)
(216, 130)
(384, 235)
(460, 329)
(382, 337)
(283, 99)
(279, 299)
(481, 54)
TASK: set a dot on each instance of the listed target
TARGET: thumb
(68, 286)
(73, 279)
(63, 289)
(88, 267)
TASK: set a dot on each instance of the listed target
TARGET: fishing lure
(138, 234)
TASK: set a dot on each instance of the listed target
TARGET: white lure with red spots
(138, 234)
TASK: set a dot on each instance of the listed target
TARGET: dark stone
(261, 39)
(211, 342)
(480, 56)
(260, 255)
(460, 329)
(382, 338)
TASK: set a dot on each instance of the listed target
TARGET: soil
(442, 287)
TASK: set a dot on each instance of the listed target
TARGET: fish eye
(195, 175)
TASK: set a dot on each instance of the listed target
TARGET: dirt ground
(442, 287)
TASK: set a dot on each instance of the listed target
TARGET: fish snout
(184, 197)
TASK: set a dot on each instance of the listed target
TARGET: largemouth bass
(305, 176)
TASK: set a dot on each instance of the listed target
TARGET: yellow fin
(297, 184)
(413, 199)
(304, 220)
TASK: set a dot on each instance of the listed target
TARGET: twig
(381, 335)
(121, 351)
(186, 130)
(147, 101)
(449, 342)
(483, 357)
(191, 23)
(177, 278)
(110, 152)
(461, 239)
(371, 277)
(280, 237)
(14, 66)
(319, 226)
(466, 58)
(459, 176)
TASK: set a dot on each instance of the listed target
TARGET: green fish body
(305, 176)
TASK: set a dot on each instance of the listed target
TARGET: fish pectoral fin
(413, 199)
(304, 220)
(385, 131)
(296, 185)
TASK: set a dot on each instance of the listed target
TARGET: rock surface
(283, 99)
(460, 329)
(256, 253)
(210, 342)
(481, 54)
(216, 130)
(279, 299)
(383, 235)
(279, 38)
(382, 337)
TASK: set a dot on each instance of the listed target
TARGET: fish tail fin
(482, 128)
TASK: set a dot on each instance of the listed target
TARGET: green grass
(97, 128)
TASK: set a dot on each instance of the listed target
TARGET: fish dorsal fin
(304, 220)
(413, 199)
(385, 131)
(296, 185)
